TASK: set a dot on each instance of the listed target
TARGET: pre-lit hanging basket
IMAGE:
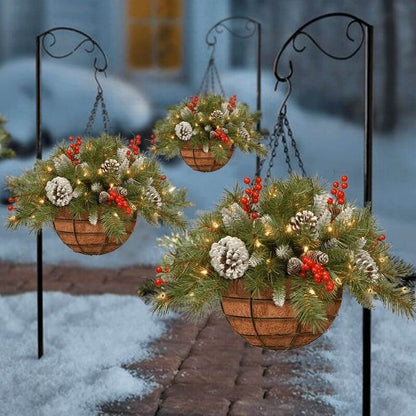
(277, 257)
(202, 161)
(262, 324)
(83, 237)
(205, 130)
(92, 192)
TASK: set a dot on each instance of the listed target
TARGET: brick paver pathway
(204, 369)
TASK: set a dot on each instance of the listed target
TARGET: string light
(192, 294)
(204, 272)
(41, 201)
(257, 243)
(382, 259)
(171, 189)
(115, 214)
(305, 249)
(312, 292)
(268, 261)
(329, 228)
(161, 296)
(49, 169)
(99, 171)
(370, 291)
(288, 228)
(128, 171)
(405, 289)
(338, 281)
(13, 218)
(78, 182)
(215, 225)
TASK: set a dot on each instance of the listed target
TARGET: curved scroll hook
(301, 32)
(88, 43)
(282, 109)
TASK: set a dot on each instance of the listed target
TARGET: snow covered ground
(393, 362)
(88, 338)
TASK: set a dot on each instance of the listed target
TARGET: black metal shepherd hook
(46, 42)
(248, 29)
(365, 37)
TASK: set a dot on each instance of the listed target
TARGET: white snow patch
(393, 364)
(87, 339)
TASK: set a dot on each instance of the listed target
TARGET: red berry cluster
(152, 139)
(159, 281)
(381, 237)
(134, 145)
(252, 197)
(338, 193)
(11, 201)
(119, 200)
(193, 103)
(232, 102)
(219, 134)
(320, 274)
(73, 150)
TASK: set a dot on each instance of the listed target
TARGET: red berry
(326, 277)
(244, 200)
(254, 215)
(317, 279)
(330, 201)
(305, 267)
(382, 237)
(246, 208)
(255, 200)
(330, 286)
(11, 200)
(341, 201)
(258, 179)
(344, 178)
(70, 138)
(258, 187)
(255, 194)
(159, 269)
(335, 184)
(340, 194)
(248, 191)
(344, 185)
(333, 191)
(247, 180)
(159, 282)
(163, 177)
(128, 211)
(302, 274)
(167, 269)
(10, 208)
(128, 153)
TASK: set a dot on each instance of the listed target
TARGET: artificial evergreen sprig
(94, 176)
(5, 152)
(210, 122)
(299, 232)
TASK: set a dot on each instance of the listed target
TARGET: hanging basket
(202, 161)
(83, 237)
(263, 324)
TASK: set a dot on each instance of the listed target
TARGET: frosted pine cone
(319, 257)
(229, 257)
(153, 195)
(120, 190)
(103, 197)
(293, 266)
(243, 132)
(233, 214)
(217, 116)
(59, 191)
(366, 264)
(110, 165)
(183, 131)
(303, 218)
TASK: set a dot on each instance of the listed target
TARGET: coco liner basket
(205, 130)
(277, 257)
(83, 237)
(92, 192)
(261, 324)
(202, 161)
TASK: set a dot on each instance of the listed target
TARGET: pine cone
(103, 197)
(229, 257)
(366, 264)
(243, 132)
(183, 131)
(293, 266)
(120, 190)
(110, 165)
(303, 218)
(319, 257)
(153, 195)
(59, 191)
(217, 116)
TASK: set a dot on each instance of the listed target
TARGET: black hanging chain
(99, 102)
(281, 133)
(211, 79)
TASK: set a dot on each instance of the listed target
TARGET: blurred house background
(157, 56)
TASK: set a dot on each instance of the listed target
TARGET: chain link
(210, 79)
(281, 132)
(99, 101)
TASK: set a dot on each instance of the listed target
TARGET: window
(154, 34)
